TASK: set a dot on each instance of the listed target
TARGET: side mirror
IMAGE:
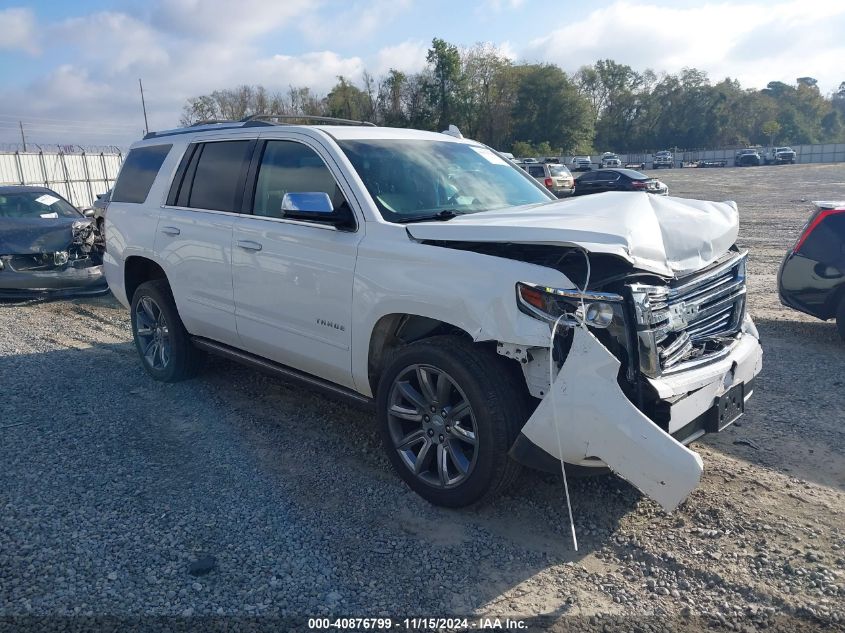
(88, 213)
(315, 206)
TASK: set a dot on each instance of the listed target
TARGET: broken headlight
(597, 309)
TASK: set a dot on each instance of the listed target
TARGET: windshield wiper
(445, 214)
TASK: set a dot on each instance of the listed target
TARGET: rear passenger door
(194, 237)
(293, 278)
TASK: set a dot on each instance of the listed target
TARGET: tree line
(538, 109)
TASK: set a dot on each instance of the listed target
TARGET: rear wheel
(840, 318)
(163, 344)
(448, 413)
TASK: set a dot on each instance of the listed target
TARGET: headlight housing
(598, 309)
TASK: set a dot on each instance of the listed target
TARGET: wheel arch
(395, 330)
(137, 270)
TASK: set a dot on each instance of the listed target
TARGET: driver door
(293, 278)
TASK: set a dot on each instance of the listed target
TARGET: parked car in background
(779, 156)
(812, 275)
(581, 163)
(609, 159)
(748, 158)
(663, 159)
(554, 177)
(529, 160)
(47, 246)
(618, 180)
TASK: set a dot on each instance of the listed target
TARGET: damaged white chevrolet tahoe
(488, 323)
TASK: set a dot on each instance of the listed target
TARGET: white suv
(487, 323)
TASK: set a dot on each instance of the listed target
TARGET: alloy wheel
(432, 426)
(153, 333)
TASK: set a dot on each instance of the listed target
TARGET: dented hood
(660, 234)
(24, 236)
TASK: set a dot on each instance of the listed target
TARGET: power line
(26, 117)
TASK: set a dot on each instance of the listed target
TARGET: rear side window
(214, 179)
(536, 171)
(138, 173)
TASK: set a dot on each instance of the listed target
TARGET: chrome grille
(691, 320)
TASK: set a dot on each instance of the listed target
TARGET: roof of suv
(339, 132)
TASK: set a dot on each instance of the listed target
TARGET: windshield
(416, 179)
(35, 204)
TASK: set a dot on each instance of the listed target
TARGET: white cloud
(228, 20)
(18, 30)
(501, 5)
(409, 57)
(755, 43)
(357, 22)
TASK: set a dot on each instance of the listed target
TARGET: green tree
(771, 129)
(445, 62)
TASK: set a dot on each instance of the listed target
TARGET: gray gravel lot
(112, 485)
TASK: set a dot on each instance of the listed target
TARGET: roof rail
(283, 118)
(212, 121)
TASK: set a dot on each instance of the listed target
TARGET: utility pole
(23, 138)
(144, 106)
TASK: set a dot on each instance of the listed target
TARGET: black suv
(812, 276)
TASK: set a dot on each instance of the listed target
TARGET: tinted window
(590, 175)
(536, 171)
(217, 176)
(287, 166)
(138, 173)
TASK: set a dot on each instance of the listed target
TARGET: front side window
(418, 179)
(138, 173)
(291, 167)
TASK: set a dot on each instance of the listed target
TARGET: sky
(70, 70)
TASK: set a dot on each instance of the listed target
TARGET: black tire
(183, 360)
(499, 408)
(840, 318)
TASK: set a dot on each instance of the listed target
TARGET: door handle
(170, 230)
(249, 245)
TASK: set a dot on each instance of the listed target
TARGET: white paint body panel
(587, 415)
(198, 265)
(295, 294)
(665, 235)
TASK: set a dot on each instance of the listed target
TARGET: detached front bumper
(587, 420)
(64, 281)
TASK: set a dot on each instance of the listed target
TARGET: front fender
(470, 291)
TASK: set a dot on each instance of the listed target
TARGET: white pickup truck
(425, 276)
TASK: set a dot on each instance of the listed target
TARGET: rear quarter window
(138, 173)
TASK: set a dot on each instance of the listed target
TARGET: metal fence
(77, 176)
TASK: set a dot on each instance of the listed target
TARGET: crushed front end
(642, 366)
(48, 264)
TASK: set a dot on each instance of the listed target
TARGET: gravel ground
(237, 495)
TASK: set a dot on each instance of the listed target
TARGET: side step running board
(277, 369)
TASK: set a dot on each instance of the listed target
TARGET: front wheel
(448, 413)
